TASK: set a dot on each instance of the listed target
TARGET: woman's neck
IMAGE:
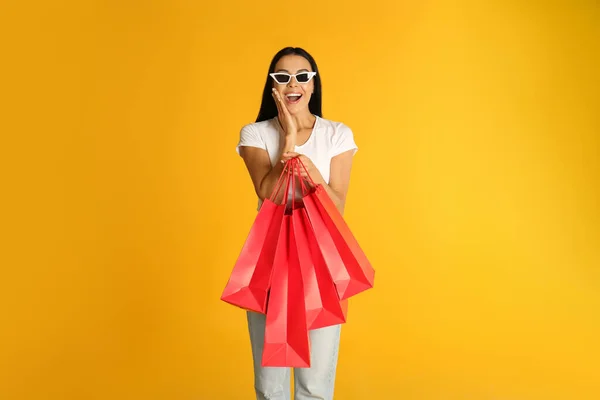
(305, 120)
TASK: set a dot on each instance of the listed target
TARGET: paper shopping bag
(323, 307)
(354, 274)
(249, 281)
(286, 342)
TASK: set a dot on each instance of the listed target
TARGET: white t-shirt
(327, 140)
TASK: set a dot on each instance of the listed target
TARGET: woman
(290, 124)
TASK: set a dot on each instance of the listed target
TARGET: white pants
(316, 382)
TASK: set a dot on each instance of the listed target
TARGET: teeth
(294, 95)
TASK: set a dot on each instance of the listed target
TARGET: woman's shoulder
(334, 129)
(330, 123)
(258, 134)
(338, 136)
(261, 126)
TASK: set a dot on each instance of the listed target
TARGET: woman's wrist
(289, 143)
(291, 135)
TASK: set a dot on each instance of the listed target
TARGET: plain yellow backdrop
(475, 194)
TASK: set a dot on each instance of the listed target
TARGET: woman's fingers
(301, 157)
(304, 163)
(281, 103)
(302, 167)
(283, 110)
(277, 103)
(285, 118)
(288, 155)
(301, 173)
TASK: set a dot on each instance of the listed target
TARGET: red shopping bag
(286, 342)
(354, 274)
(323, 307)
(249, 281)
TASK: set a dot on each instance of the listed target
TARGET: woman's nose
(292, 82)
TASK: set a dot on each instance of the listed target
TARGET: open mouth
(293, 98)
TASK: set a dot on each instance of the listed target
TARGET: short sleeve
(343, 141)
(250, 137)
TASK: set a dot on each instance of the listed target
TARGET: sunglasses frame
(311, 74)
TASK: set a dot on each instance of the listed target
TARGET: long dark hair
(268, 108)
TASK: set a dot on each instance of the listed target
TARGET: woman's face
(296, 95)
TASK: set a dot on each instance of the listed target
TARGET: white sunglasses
(284, 77)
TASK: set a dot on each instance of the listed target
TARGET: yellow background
(475, 193)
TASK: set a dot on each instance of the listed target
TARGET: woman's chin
(295, 108)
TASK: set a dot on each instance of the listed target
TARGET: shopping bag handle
(284, 176)
(299, 167)
(293, 160)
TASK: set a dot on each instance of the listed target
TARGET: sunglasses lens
(281, 78)
(303, 77)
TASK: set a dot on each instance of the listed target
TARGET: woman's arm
(263, 175)
(339, 179)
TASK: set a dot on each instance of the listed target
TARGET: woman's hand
(285, 118)
(309, 168)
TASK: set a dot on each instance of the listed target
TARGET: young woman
(290, 124)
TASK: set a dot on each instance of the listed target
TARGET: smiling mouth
(293, 98)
